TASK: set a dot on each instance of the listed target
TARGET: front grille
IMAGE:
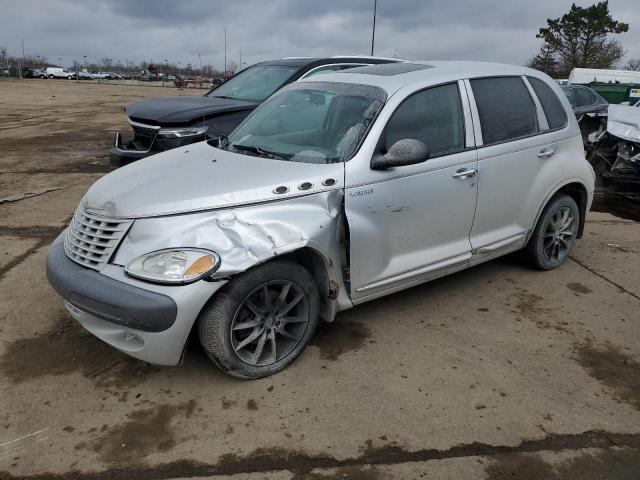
(91, 240)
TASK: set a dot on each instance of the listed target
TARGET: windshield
(312, 122)
(254, 83)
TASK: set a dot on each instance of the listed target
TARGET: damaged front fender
(246, 236)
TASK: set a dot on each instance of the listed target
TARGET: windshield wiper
(259, 151)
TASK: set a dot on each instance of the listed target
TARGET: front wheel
(555, 233)
(261, 321)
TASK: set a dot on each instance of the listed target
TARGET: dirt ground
(496, 372)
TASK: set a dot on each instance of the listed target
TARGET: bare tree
(232, 66)
(633, 64)
(545, 61)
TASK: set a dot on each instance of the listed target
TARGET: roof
(304, 61)
(393, 77)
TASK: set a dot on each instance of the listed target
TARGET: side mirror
(404, 152)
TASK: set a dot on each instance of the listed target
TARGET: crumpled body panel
(624, 122)
(247, 236)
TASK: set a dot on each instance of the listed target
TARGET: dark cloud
(144, 30)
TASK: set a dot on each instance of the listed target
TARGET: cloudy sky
(179, 30)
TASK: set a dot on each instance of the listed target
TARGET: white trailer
(585, 76)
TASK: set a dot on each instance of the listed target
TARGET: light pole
(373, 31)
(166, 71)
(200, 60)
(225, 54)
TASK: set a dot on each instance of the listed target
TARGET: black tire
(219, 315)
(536, 253)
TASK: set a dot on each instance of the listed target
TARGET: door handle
(546, 152)
(465, 173)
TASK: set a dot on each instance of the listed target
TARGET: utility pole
(21, 65)
(200, 60)
(225, 54)
(240, 59)
(373, 32)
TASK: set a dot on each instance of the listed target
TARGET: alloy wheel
(270, 322)
(558, 235)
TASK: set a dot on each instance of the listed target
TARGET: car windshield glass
(255, 83)
(311, 122)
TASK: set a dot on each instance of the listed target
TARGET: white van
(57, 72)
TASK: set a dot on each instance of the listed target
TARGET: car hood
(201, 177)
(183, 110)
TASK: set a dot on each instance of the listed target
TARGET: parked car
(84, 75)
(338, 189)
(584, 100)
(100, 75)
(589, 108)
(57, 72)
(164, 123)
(38, 73)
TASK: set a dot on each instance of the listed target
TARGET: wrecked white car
(329, 194)
(615, 151)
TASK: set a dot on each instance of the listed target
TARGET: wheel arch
(575, 189)
(323, 272)
(321, 268)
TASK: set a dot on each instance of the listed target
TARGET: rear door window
(506, 109)
(553, 109)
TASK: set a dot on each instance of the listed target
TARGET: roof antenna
(373, 32)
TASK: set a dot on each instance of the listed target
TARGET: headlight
(174, 266)
(182, 132)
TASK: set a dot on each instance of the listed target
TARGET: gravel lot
(496, 372)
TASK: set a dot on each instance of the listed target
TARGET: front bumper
(149, 322)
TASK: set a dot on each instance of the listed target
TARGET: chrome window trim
(543, 123)
(469, 127)
(477, 128)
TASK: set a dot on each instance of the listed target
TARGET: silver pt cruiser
(335, 191)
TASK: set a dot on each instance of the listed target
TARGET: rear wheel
(261, 321)
(554, 234)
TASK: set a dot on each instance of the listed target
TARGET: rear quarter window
(553, 109)
(506, 109)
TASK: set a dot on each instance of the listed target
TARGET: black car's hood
(173, 111)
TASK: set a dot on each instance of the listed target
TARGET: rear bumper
(146, 321)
